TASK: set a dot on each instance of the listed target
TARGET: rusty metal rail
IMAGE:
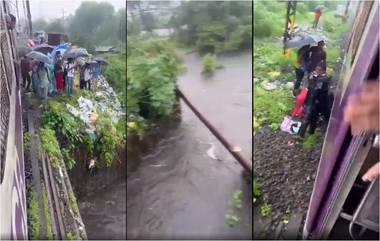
(247, 164)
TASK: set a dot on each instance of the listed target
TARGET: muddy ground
(285, 174)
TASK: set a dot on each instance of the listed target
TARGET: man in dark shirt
(303, 57)
(25, 73)
(317, 57)
(317, 100)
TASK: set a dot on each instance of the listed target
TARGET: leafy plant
(236, 199)
(70, 236)
(45, 204)
(73, 203)
(209, 64)
(256, 190)
(311, 140)
(232, 219)
(26, 140)
(50, 145)
(265, 209)
(152, 70)
(33, 215)
(270, 107)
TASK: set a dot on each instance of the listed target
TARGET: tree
(89, 16)
(148, 21)
(39, 24)
(55, 26)
(122, 30)
(210, 24)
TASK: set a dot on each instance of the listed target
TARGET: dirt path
(285, 175)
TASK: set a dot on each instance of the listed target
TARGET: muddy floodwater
(181, 187)
(180, 179)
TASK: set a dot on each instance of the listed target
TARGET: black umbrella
(298, 41)
(40, 57)
(101, 61)
(44, 48)
(23, 50)
(74, 53)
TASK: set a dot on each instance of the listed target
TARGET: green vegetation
(311, 140)
(214, 26)
(152, 70)
(73, 203)
(63, 135)
(93, 24)
(232, 219)
(209, 64)
(255, 190)
(270, 64)
(26, 140)
(68, 131)
(45, 204)
(236, 199)
(270, 107)
(50, 146)
(33, 215)
(70, 236)
(265, 209)
(115, 74)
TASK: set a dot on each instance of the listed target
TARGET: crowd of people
(311, 62)
(46, 79)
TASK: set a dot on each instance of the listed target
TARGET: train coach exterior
(13, 220)
(343, 155)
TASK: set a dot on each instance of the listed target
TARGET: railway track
(63, 214)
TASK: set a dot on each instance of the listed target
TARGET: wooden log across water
(247, 164)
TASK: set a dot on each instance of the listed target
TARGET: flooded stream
(182, 187)
(181, 180)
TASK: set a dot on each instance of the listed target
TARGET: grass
(270, 107)
(26, 139)
(70, 236)
(33, 215)
(50, 146)
(73, 203)
(310, 141)
(265, 209)
(45, 203)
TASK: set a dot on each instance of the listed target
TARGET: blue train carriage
(13, 217)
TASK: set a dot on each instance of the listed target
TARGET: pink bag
(290, 126)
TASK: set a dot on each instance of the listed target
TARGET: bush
(50, 146)
(151, 80)
(270, 107)
(33, 215)
(262, 30)
(209, 64)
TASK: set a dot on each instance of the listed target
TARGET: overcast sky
(50, 9)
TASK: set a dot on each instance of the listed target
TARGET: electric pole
(29, 18)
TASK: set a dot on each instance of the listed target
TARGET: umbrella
(93, 62)
(101, 61)
(44, 48)
(23, 50)
(74, 53)
(319, 7)
(39, 57)
(299, 42)
(61, 48)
